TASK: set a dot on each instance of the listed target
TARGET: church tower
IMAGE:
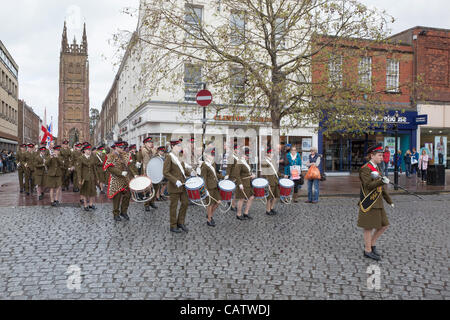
(73, 118)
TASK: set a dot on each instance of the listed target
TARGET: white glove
(226, 177)
(199, 171)
(138, 165)
(385, 180)
(392, 205)
(178, 183)
(124, 173)
(241, 187)
(193, 174)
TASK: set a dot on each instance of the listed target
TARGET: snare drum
(286, 187)
(227, 188)
(260, 188)
(196, 190)
(141, 189)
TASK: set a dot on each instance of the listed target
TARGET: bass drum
(155, 170)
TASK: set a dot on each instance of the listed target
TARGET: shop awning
(8, 141)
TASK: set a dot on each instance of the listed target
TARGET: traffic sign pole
(204, 98)
(204, 128)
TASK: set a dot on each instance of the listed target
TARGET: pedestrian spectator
(398, 159)
(313, 185)
(293, 170)
(4, 157)
(407, 159)
(423, 165)
(1, 164)
(386, 160)
(415, 162)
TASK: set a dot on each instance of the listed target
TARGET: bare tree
(258, 55)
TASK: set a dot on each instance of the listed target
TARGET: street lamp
(396, 152)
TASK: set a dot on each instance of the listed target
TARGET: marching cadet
(231, 163)
(40, 171)
(371, 209)
(243, 175)
(163, 185)
(211, 177)
(21, 158)
(117, 166)
(271, 174)
(55, 175)
(87, 176)
(28, 165)
(101, 175)
(66, 155)
(76, 154)
(175, 172)
(142, 159)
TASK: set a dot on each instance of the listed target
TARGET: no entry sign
(204, 98)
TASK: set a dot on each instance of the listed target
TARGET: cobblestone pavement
(306, 252)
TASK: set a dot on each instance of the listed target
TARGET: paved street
(306, 252)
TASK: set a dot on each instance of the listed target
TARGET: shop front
(345, 153)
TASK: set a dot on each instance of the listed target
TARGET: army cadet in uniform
(55, 175)
(270, 172)
(243, 175)
(143, 157)
(231, 163)
(21, 158)
(175, 172)
(87, 176)
(120, 173)
(76, 154)
(211, 178)
(371, 209)
(101, 175)
(66, 155)
(40, 171)
(28, 166)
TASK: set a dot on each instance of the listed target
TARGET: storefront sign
(241, 118)
(421, 119)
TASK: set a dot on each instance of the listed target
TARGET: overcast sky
(31, 31)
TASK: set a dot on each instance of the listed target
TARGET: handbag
(313, 173)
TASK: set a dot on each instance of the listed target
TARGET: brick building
(73, 118)
(9, 92)
(383, 71)
(29, 124)
(431, 67)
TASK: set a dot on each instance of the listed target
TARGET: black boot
(153, 205)
(371, 255)
(117, 218)
(125, 216)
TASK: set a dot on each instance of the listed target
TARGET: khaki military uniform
(40, 171)
(270, 173)
(55, 170)
(376, 217)
(212, 178)
(29, 178)
(231, 163)
(118, 188)
(88, 175)
(76, 154)
(20, 159)
(243, 175)
(101, 175)
(174, 173)
(66, 155)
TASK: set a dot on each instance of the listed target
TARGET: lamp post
(396, 152)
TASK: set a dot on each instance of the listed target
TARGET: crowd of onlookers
(7, 161)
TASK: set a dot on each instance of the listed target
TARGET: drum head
(227, 185)
(140, 183)
(286, 183)
(194, 183)
(260, 183)
(155, 170)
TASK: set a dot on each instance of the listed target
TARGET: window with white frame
(237, 26)
(193, 19)
(365, 72)
(392, 75)
(237, 77)
(335, 71)
(280, 29)
(192, 81)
